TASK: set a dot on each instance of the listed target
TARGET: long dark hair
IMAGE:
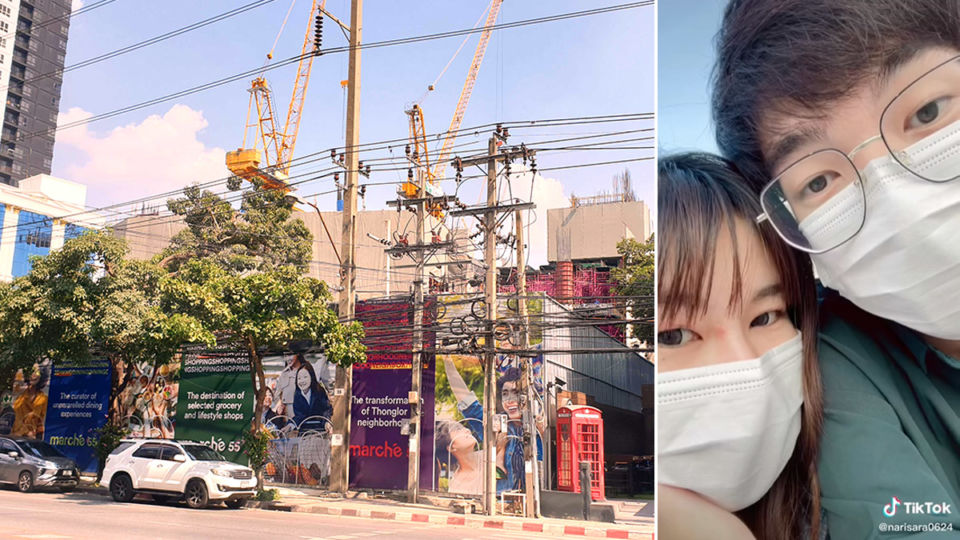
(315, 385)
(700, 197)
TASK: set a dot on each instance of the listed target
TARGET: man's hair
(795, 56)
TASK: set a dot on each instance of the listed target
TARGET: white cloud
(77, 4)
(161, 153)
(547, 193)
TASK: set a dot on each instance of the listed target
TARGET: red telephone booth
(580, 439)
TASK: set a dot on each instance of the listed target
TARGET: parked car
(171, 470)
(29, 463)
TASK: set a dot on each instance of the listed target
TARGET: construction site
(514, 386)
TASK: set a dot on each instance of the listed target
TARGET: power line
(371, 146)
(291, 60)
(145, 43)
(62, 18)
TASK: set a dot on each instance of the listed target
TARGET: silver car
(29, 463)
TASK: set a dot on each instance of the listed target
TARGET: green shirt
(891, 426)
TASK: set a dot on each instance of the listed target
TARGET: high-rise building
(33, 45)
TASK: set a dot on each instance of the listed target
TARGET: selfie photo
(808, 339)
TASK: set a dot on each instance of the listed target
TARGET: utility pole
(490, 354)
(531, 471)
(420, 251)
(343, 391)
(416, 381)
(490, 213)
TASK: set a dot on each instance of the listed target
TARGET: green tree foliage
(260, 236)
(241, 272)
(634, 279)
(86, 299)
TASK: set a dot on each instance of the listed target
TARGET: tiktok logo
(890, 510)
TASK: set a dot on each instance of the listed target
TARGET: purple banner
(378, 449)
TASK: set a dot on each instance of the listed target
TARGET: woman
(311, 405)
(738, 389)
(456, 450)
(30, 407)
(509, 444)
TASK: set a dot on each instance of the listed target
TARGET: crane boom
(439, 162)
(292, 126)
(274, 165)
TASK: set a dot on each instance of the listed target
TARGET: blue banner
(78, 404)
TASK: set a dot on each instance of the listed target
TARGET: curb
(461, 521)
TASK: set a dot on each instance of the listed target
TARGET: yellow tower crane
(418, 141)
(273, 165)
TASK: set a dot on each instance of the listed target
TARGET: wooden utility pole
(420, 251)
(416, 381)
(340, 442)
(531, 471)
(490, 353)
(489, 213)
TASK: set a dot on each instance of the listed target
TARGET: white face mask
(904, 264)
(726, 431)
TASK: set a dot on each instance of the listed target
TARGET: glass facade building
(34, 232)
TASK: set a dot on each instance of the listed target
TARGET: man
(847, 117)
(287, 384)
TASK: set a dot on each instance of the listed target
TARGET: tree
(634, 280)
(241, 271)
(260, 236)
(87, 300)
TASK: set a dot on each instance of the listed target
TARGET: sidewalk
(632, 517)
(629, 523)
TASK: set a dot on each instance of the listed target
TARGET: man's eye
(818, 184)
(675, 337)
(928, 113)
(768, 318)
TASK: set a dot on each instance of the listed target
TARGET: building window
(70, 232)
(33, 238)
(4, 26)
(5, 10)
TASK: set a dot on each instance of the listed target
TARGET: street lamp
(293, 199)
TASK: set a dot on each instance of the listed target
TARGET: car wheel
(121, 488)
(196, 494)
(235, 503)
(25, 482)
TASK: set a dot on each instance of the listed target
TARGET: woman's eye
(768, 318)
(819, 183)
(675, 337)
(928, 113)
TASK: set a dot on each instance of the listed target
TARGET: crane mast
(273, 166)
(418, 142)
(439, 162)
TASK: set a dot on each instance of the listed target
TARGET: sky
(687, 29)
(597, 65)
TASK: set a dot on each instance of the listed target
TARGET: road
(85, 515)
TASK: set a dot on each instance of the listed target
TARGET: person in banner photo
(30, 404)
(297, 410)
(149, 402)
(311, 404)
(455, 444)
(509, 444)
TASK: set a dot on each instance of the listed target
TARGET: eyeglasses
(823, 191)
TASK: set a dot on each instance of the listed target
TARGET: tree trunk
(259, 393)
(120, 374)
